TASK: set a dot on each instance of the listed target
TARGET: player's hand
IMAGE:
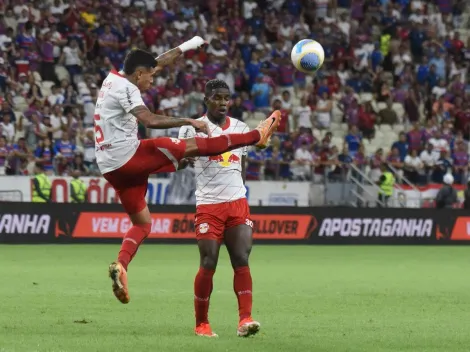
(186, 162)
(201, 126)
(190, 161)
(198, 42)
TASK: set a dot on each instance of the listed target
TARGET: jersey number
(99, 136)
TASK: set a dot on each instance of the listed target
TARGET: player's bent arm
(153, 121)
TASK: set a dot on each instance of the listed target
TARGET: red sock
(131, 242)
(202, 294)
(243, 287)
(221, 144)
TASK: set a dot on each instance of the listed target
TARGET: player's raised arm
(154, 121)
(169, 57)
(140, 70)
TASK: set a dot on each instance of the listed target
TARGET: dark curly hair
(214, 84)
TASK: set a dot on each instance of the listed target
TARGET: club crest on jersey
(225, 159)
(203, 228)
(175, 140)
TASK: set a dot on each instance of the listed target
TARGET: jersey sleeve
(246, 129)
(186, 132)
(129, 98)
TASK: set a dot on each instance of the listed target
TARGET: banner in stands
(52, 223)
(272, 193)
(421, 197)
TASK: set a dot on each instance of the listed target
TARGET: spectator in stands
(7, 110)
(414, 167)
(65, 148)
(353, 140)
(340, 173)
(247, 103)
(56, 98)
(447, 132)
(360, 158)
(439, 144)
(7, 128)
(460, 162)
(411, 106)
(195, 99)
(303, 116)
(443, 166)
(79, 165)
(284, 124)
(286, 101)
(388, 116)
(320, 161)
(236, 109)
(331, 161)
(4, 151)
(323, 111)
(367, 120)
(261, 92)
(402, 146)
(19, 155)
(302, 165)
(429, 159)
(415, 138)
(35, 131)
(457, 139)
(272, 164)
(395, 160)
(255, 160)
(428, 131)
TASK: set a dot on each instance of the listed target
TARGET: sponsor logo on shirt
(226, 159)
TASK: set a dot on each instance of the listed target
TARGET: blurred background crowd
(394, 87)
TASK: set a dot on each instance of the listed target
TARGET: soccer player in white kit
(126, 162)
(222, 213)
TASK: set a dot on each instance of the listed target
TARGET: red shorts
(130, 181)
(213, 219)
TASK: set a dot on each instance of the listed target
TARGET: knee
(209, 262)
(240, 258)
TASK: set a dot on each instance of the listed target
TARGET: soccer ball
(307, 56)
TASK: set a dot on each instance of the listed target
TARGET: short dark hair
(215, 84)
(138, 58)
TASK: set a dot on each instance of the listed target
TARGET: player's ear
(138, 74)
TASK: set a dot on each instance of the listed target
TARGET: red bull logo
(225, 159)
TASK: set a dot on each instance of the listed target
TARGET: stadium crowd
(394, 87)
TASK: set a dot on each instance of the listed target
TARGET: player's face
(145, 78)
(217, 103)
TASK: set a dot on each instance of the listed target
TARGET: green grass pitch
(307, 298)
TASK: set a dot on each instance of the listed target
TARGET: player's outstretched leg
(221, 144)
(209, 254)
(238, 241)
